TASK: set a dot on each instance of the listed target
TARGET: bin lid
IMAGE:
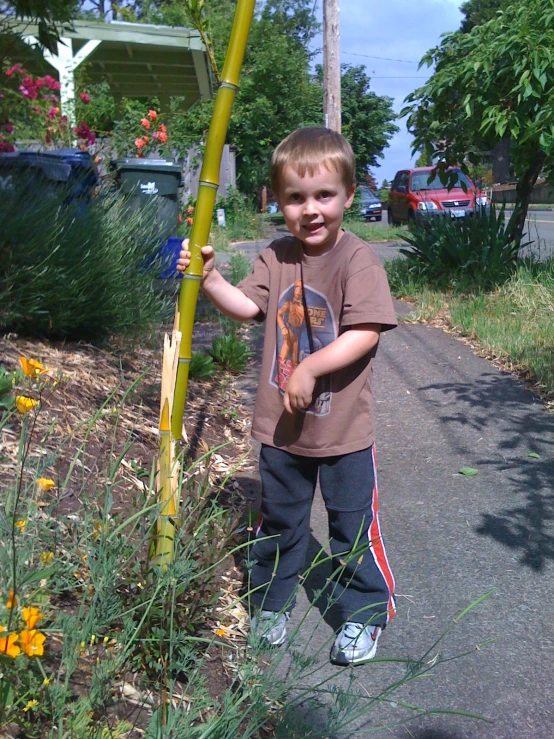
(148, 165)
(55, 165)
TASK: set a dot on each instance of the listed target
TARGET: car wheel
(411, 219)
(392, 222)
(378, 218)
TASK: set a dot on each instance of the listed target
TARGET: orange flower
(163, 128)
(12, 600)
(152, 115)
(31, 616)
(162, 136)
(139, 143)
(180, 218)
(145, 123)
(7, 644)
(25, 404)
(146, 139)
(190, 221)
(190, 210)
(32, 642)
(31, 367)
(21, 525)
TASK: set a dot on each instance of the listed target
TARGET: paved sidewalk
(451, 539)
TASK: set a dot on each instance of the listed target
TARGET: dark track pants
(364, 588)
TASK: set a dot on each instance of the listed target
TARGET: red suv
(418, 195)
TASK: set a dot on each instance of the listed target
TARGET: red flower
(85, 98)
(51, 83)
(162, 136)
(145, 123)
(53, 112)
(39, 83)
(180, 218)
(146, 139)
(139, 143)
(163, 128)
(6, 147)
(16, 69)
(152, 115)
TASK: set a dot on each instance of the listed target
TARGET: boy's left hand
(300, 389)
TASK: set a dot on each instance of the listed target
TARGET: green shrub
(231, 353)
(240, 267)
(479, 249)
(201, 366)
(73, 271)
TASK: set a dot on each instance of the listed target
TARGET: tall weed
(75, 271)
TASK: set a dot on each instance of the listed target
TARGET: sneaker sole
(342, 660)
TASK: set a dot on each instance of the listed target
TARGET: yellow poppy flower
(21, 525)
(12, 600)
(7, 644)
(25, 404)
(31, 616)
(31, 367)
(32, 642)
(46, 557)
(31, 705)
(44, 484)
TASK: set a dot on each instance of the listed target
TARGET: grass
(374, 232)
(514, 321)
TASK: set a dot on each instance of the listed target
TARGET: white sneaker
(355, 644)
(270, 626)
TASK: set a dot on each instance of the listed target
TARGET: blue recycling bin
(169, 254)
(69, 172)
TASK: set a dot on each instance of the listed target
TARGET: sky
(399, 30)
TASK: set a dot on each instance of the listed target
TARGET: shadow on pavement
(526, 526)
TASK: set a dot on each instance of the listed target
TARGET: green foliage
(51, 16)
(82, 272)
(494, 82)
(230, 352)
(7, 382)
(477, 12)
(367, 118)
(201, 366)
(240, 267)
(481, 249)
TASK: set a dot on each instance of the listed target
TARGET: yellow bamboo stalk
(178, 350)
(161, 545)
(209, 183)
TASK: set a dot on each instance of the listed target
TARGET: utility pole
(331, 65)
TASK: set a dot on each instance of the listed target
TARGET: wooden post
(264, 199)
(331, 65)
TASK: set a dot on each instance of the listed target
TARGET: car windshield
(420, 181)
(367, 195)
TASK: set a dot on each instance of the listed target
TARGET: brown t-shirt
(307, 302)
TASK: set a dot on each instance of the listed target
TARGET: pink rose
(85, 98)
(152, 115)
(139, 143)
(145, 123)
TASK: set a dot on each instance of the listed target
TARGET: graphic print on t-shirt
(293, 341)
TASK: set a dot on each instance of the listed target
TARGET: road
(450, 539)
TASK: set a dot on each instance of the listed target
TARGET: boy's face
(313, 207)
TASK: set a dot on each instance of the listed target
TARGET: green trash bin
(145, 180)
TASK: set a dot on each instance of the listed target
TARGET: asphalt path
(450, 540)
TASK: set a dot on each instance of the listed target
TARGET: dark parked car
(370, 205)
(418, 195)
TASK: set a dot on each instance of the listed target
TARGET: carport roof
(138, 60)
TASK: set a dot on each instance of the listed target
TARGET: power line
(383, 58)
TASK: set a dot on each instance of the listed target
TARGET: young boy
(325, 299)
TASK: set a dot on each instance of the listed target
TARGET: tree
(367, 118)
(496, 80)
(49, 15)
(424, 159)
(477, 12)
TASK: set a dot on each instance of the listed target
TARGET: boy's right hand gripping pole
(209, 183)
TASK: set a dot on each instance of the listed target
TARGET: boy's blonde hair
(307, 149)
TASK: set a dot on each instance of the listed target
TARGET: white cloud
(401, 30)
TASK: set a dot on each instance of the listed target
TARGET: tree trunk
(524, 191)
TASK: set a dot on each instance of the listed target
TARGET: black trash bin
(70, 172)
(147, 180)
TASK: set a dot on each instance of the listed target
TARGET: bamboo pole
(173, 404)
(209, 183)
